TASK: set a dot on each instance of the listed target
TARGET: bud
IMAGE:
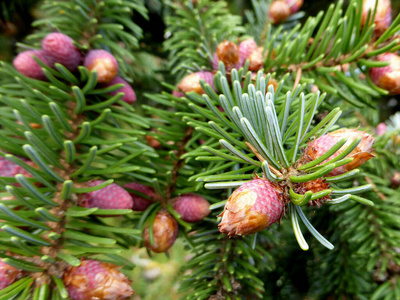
(361, 153)
(395, 179)
(129, 93)
(60, 48)
(191, 83)
(279, 11)
(228, 53)
(8, 275)
(27, 66)
(152, 141)
(192, 207)
(104, 63)
(381, 129)
(97, 280)
(294, 5)
(111, 197)
(140, 203)
(254, 206)
(383, 16)
(388, 77)
(165, 232)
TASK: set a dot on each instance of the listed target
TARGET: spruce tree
(267, 142)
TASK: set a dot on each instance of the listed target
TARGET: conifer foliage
(252, 145)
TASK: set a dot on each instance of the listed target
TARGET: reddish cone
(10, 169)
(228, 53)
(383, 16)
(111, 197)
(388, 77)
(177, 94)
(361, 153)
(165, 232)
(8, 275)
(129, 96)
(191, 83)
(104, 63)
(294, 5)
(192, 207)
(59, 48)
(381, 129)
(97, 280)
(279, 11)
(27, 66)
(254, 206)
(248, 50)
(140, 203)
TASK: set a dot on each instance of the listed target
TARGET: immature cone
(8, 274)
(97, 280)
(361, 153)
(10, 169)
(165, 232)
(254, 206)
(192, 207)
(152, 141)
(129, 93)
(279, 11)
(59, 48)
(27, 66)
(228, 53)
(140, 203)
(191, 83)
(111, 197)
(248, 50)
(383, 16)
(104, 63)
(294, 5)
(381, 129)
(388, 77)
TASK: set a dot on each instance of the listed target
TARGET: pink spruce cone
(383, 16)
(27, 66)
(8, 274)
(97, 280)
(10, 169)
(381, 129)
(192, 207)
(111, 197)
(254, 206)
(388, 77)
(165, 232)
(279, 11)
(177, 94)
(228, 53)
(191, 82)
(104, 63)
(361, 153)
(59, 48)
(248, 49)
(140, 203)
(129, 96)
(294, 5)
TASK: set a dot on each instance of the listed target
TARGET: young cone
(111, 197)
(383, 16)
(388, 77)
(10, 169)
(140, 203)
(59, 48)
(104, 63)
(129, 93)
(279, 11)
(254, 206)
(228, 53)
(294, 5)
(192, 207)
(97, 280)
(8, 274)
(27, 66)
(191, 82)
(360, 154)
(165, 232)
